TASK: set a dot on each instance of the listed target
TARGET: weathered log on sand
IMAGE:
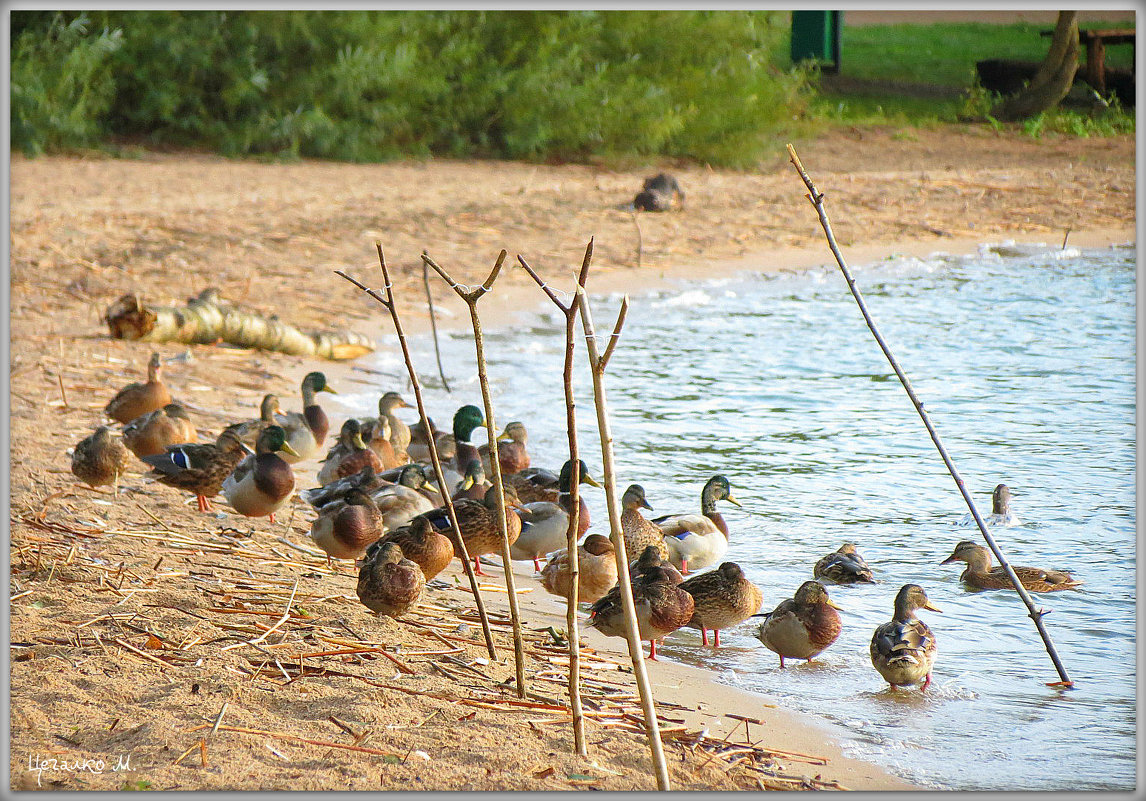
(208, 319)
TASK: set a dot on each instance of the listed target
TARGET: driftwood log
(208, 319)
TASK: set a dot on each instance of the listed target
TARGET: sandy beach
(151, 638)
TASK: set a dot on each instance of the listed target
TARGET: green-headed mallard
(1001, 514)
(198, 468)
(306, 430)
(545, 526)
(662, 607)
(981, 575)
(697, 541)
(154, 432)
(249, 430)
(466, 419)
(903, 650)
(638, 531)
(389, 583)
(723, 598)
(512, 454)
(401, 501)
(262, 483)
(843, 566)
(596, 570)
(802, 626)
(100, 458)
(429, 549)
(346, 527)
(349, 455)
(138, 399)
(478, 523)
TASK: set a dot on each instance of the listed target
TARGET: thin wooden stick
(597, 363)
(817, 200)
(471, 299)
(433, 324)
(388, 303)
(573, 636)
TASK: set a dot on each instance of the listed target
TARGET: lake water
(1026, 363)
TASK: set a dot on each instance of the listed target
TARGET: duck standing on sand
(478, 523)
(198, 468)
(1001, 515)
(100, 458)
(346, 527)
(420, 543)
(306, 430)
(596, 570)
(349, 455)
(662, 607)
(512, 454)
(249, 430)
(637, 530)
(545, 526)
(803, 626)
(399, 435)
(980, 575)
(138, 399)
(844, 566)
(389, 583)
(403, 500)
(903, 650)
(263, 483)
(152, 433)
(722, 598)
(698, 541)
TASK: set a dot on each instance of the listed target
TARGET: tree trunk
(1053, 79)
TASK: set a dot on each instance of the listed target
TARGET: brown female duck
(249, 430)
(662, 607)
(981, 575)
(844, 566)
(389, 583)
(100, 458)
(638, 531)
(723, 598)
(903, 650)
(403, 500)
(138, 399)
(198, 468)
(478, 523)
(345, 528)
(512, 454)
(429, 549)
(349, 455)
(596, 570)
(154, 432)
(399, 436)
(802, 626)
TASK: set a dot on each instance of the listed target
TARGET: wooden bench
(1095, 42)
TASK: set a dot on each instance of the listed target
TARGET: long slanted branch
(570, 311)
(471, 298)
(387, 302)
(817, 200)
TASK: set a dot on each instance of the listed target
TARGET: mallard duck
(346, 527)
(478, 523)
(662, 607)
(429, 549)
(903, 650)
(512, 454)
(198, 468)
(376, 434)
(638, 531)
(100, 458)
(535, 484)
(419, 447)
(138, 399)
(981, 575)
(262, 484)
(399, 436)
(349, 455)
(1001, 514)
(649, 558)
(389, 583)
(152, 433)
(249, 430)
(596, 570)
(306, 430)
(802, 626)
(466, 419)
(697, 541)
(723, 597)
(545, 526)
(473, 484)
(402, 501)
(844, 566)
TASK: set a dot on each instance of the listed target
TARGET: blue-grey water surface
(1026, 364)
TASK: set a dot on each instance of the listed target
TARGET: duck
(1001, 515)
(535, 484)
(473, 483)
(419, 447)
(138, 399)
(349, 455)
(545, 525)
(100, 459)
(262, 483)
(638, 531)
(152, 433)
(200, 468)
(803, 626)
(697, 541)
(477, 520)
(596, 570)
(399, 436)
(249, 430)
(662, 607)
(903, 650)
(345, 528)
(376, 437)
(403, 500)
(466, 419)
(649, 558)
(306, 430)
(389, 584)
(843, 566)
(422, 544)
(723, 597)
(512, 454)
(981, 575)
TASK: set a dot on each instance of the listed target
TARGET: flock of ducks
(378, 504)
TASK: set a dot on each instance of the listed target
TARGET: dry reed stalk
(571, 311)
(471, 299)
(388, 303)
(598, 363)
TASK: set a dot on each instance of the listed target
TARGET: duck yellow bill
(327, 388)
(286, 448)
(834, 606)
(733, 501)
(588, 479)
(932, 608)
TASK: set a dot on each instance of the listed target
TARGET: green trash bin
(816, 37)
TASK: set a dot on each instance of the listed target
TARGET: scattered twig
(433, 324)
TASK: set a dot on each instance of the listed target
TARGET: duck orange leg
(477, 568)
(716, 638)
(926, 681)
(683, 566)
(653, 650)
(204, 504)
(536, 565)
(703, 636)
